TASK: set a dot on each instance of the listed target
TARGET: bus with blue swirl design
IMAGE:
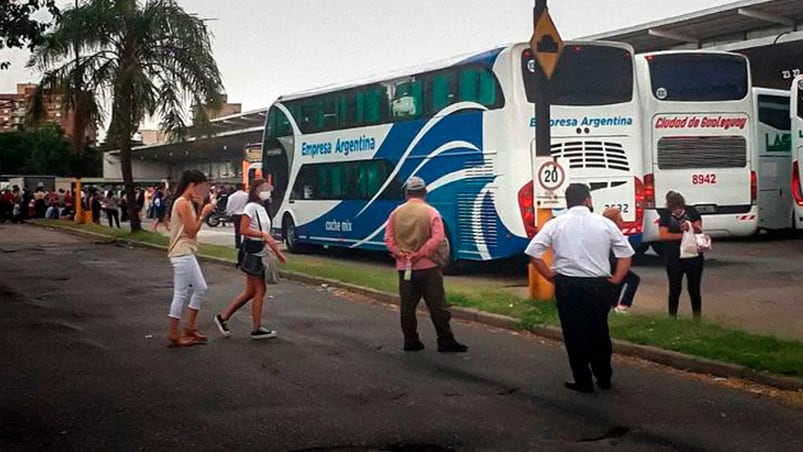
(338, 156)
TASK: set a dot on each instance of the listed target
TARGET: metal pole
(542, 110)
(539, 288)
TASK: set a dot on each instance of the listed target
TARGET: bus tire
(290, 234)
(641, 248)
(659, 250)
(454, 267)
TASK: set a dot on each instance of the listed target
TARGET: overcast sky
(266, 48)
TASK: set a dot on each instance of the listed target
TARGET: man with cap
(584, 286)
(413, 235)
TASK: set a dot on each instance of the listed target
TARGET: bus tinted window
(774, 111)
(441, 90)
(359, 180)
(585, 75)
(799, 92)
(408, 99)
(690, 77)
(278, 125)
(416, 97)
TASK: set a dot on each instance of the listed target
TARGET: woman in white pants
(188, 280)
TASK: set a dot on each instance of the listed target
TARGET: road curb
(668, 358)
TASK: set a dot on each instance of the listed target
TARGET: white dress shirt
(236, 203)
(582, 243)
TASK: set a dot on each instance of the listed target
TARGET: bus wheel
(659, 250)
(454, 267)
(290, 235)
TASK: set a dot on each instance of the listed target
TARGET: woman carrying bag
(255, 228)
(677, 219)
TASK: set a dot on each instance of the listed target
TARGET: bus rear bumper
(717, 226)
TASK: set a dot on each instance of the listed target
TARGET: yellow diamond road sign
(546, 44)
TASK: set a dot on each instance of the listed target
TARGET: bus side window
(478, 85)
(441, 91)
(407, 99)
(800, 104)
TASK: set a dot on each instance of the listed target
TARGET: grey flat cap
(415, 184)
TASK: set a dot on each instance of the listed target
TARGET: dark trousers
(583, 307)
(627, 290)
(429, 285)
(114, 216)
(693, 269)
(238, 238)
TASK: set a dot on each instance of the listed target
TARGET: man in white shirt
(584, 288)
(234, 207)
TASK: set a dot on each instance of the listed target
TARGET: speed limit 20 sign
(551, 175)
(550, 183)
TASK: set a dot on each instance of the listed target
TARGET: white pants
(188, 284)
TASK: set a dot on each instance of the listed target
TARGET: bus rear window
(586, 75)
(698, 77)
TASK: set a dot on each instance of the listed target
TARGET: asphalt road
(85, 367)
(752, 284)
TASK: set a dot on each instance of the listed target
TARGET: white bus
(338, 156)
(699, 138)
(774, 144)
(797, 150)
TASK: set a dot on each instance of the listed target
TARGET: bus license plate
(706, 209)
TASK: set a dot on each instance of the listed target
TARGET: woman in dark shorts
(255, 227)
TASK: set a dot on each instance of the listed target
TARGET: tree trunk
(128, 182)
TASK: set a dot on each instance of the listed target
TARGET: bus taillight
(753, 188)
(527, 208)
(636, 226)
(649, 191)
(797, 189)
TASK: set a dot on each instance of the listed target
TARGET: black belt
(583, 278)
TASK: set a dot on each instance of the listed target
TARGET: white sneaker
(621, 309)
(263, 333)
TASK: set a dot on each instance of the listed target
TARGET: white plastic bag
(688, 245)
(703, 243)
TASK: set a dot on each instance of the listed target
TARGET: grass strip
(697, 338)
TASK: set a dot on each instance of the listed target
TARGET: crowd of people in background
(108, 201)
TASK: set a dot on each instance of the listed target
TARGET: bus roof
(486, 58)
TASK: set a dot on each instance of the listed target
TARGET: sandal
(184, 341)
(196, 335)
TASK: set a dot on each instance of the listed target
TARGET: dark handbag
(251, 254)
(252, 264)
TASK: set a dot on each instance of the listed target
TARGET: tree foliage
(147, 59)
(18, 28)
(45, 150)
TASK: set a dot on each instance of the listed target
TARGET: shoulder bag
(251, 254)
(270, 263)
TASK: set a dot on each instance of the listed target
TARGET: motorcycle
(217, 217)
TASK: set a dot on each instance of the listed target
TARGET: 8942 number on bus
(704, 179)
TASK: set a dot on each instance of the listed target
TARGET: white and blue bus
(339, 156)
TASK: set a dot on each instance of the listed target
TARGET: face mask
(264, 195)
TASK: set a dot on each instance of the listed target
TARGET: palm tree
(150, 60)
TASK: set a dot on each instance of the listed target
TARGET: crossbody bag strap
(259, 222)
